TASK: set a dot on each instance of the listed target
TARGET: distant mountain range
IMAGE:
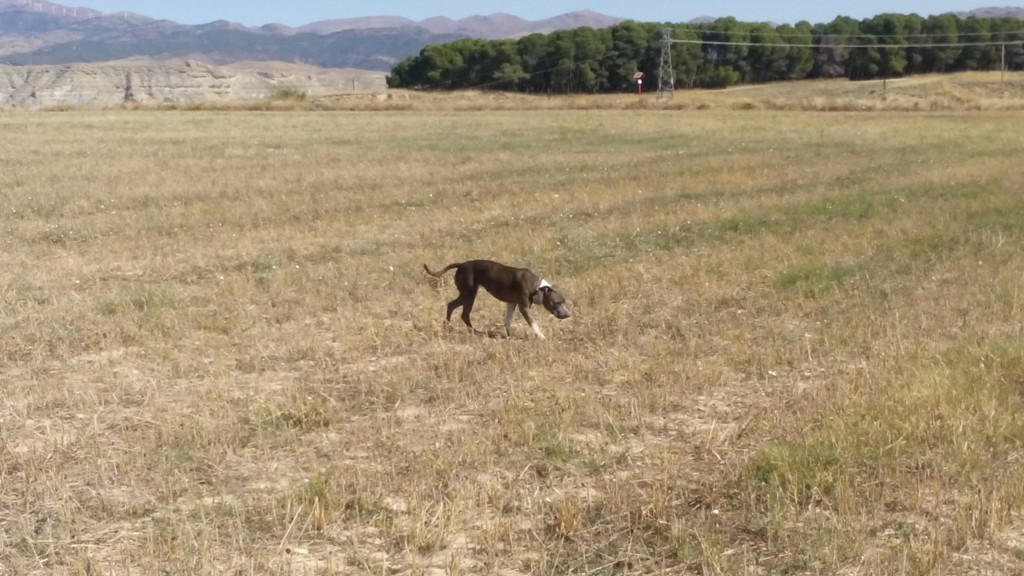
(34, 32)
(994, 12)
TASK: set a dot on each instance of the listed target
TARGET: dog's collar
(536, 294)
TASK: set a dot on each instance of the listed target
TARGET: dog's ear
(538, 295)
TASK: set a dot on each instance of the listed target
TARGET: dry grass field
(796, 344)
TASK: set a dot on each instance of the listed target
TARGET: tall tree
(561, 55)
(443, 65)
(532, 50)
(726, 47)
(766, 58)
(687, 59)
(891, 32)
(832, 58)
(799, 58)
(629, 43)
(977, 31)
(1010, 31)
(478, 62)
(591, 46)
(943, 32)
(508, 64)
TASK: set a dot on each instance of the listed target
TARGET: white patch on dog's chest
(543, 284)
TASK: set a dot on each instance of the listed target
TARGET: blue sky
(298, 12)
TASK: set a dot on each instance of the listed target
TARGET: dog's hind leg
(467, 294)
(452, 306)
(467, 300)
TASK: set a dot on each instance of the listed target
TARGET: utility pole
(666, 77)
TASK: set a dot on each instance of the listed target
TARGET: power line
(667, 41)
(666, 77)
(788, 45)
(798, 34)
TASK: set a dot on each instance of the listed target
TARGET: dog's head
(551, 299)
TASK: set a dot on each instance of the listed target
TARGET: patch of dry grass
(968, 92)
(796, 342)
(981, 91)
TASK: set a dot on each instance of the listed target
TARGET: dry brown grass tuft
(795, 349)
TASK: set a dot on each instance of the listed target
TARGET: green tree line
(718, 54)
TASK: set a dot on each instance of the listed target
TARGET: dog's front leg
(533, 323)
(510, 310)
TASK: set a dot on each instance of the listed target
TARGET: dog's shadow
(493, 333)
(496, 333)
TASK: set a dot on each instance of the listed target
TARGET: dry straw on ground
(795, 349)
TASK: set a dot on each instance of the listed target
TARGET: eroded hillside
(176, 82)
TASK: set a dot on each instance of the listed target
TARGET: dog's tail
(441, 272)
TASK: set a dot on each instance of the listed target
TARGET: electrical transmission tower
(666, 78)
